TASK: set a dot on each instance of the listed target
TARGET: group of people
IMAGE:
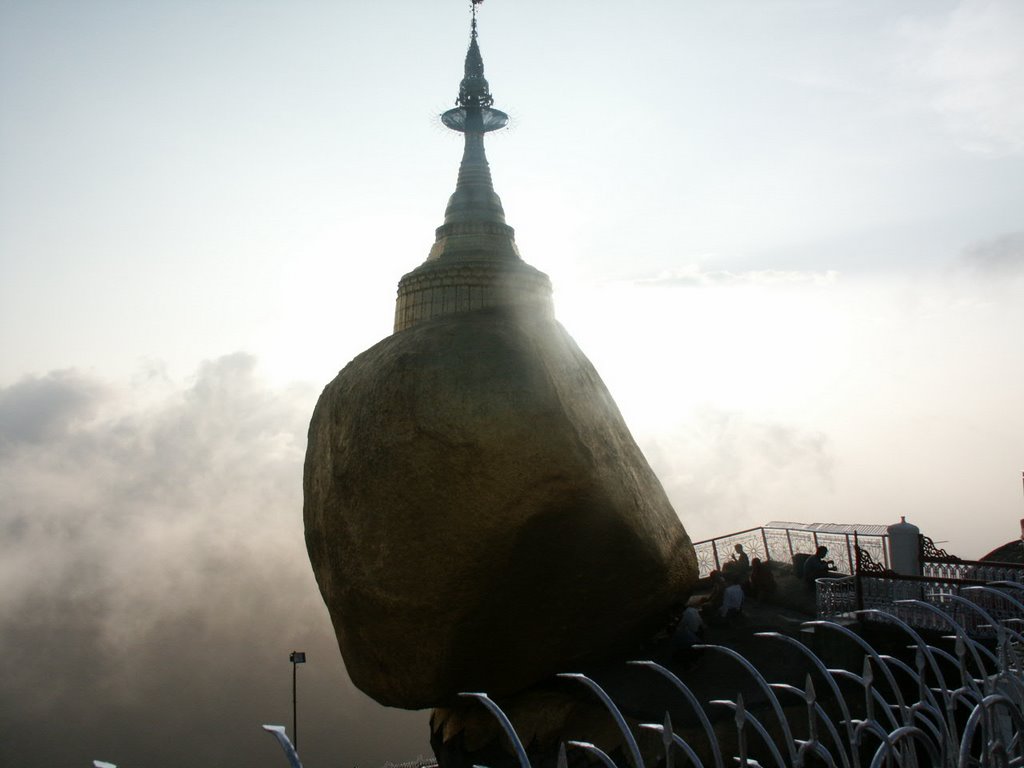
(754, 576)
(740, 577)
(757, 579)
(724, 604)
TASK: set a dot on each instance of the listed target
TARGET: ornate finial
(473, 112)
(474, 3)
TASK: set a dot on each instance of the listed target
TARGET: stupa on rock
(478, 516)
(474, 263)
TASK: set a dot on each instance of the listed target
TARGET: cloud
(695, 276)
(725, 470)
(1000, 255)
(38, 408)
(971, 64)
(154, 579)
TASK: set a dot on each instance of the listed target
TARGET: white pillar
(904, 548)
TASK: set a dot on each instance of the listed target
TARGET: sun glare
(666, 350)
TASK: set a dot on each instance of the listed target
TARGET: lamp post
(296, 658)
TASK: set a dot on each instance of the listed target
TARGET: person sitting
(732, 603)
(688, 632)
(761, 582)
(713, 601)
(738, 565)
(817, 567)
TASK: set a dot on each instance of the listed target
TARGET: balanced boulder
(477, 514)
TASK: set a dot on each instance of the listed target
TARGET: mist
(155, 579)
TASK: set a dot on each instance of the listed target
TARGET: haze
(788, 234)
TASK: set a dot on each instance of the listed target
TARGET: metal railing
(780, 544)
(836, 598)
(912, 599)
(937, 563)
(944, 581)
(970, 720)
(957, 706)
(974, 570)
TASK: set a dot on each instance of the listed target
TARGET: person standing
(739, 564)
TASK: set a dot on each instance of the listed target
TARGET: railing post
(714, 552)
(859, 587)
(764, 540)
(849, 551)
(789, 541)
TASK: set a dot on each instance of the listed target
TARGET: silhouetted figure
(732, 603)
(711, 603)
(739, 556)
(739, 564)
(762, 581)
(799, 558)
(817, 566)
(689, 631)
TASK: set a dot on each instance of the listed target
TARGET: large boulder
(478, 515)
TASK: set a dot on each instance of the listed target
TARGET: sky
(789, 234)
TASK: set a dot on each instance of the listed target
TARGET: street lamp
(296, 658)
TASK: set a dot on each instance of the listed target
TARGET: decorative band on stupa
(474, 262)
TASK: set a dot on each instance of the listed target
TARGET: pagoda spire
(474, 262)
(473, 116)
